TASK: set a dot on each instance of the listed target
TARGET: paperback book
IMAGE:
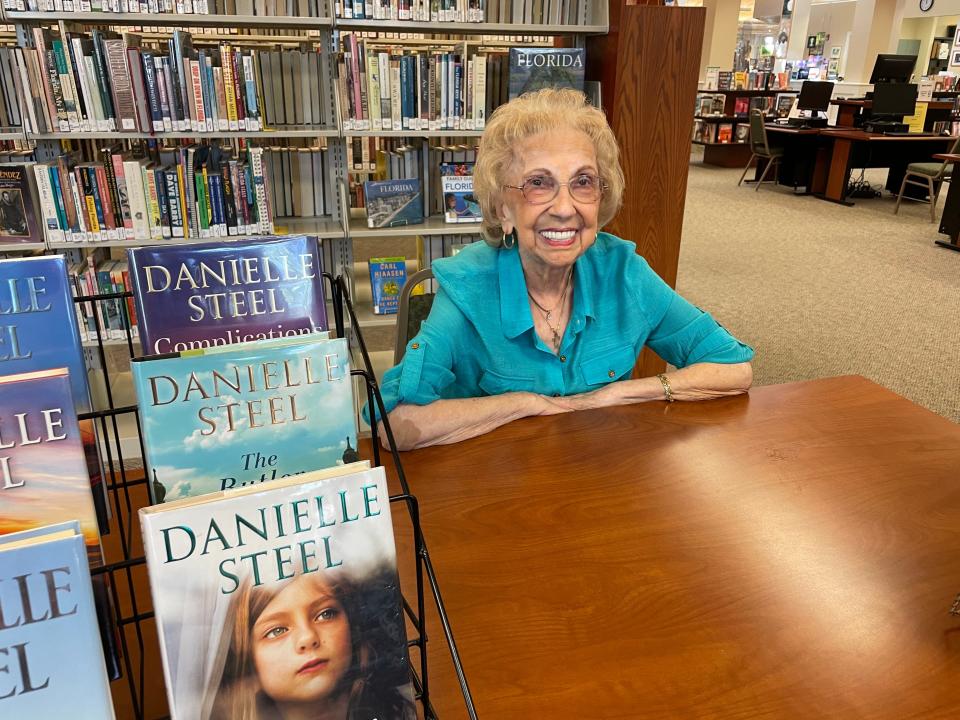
(54, 665)
(18, 218)
(393, 202)
(536, 68)
(222, 293)
(227, 418)
(281, 594)
(459, 202)
(387, 278)
(39, 331)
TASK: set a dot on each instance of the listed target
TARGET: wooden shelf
(469, 28)
(11, 134)
(748, 93)
(413, 133)
(167, 19)
(433, 225)
(285, 132)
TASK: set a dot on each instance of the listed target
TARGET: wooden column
(647, 66)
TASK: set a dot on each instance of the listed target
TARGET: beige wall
(719, 34)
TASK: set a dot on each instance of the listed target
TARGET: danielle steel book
(281, 597)
(255, 412)
(393, 202)
(536, 68)
(224, 293)
(18, 214)
(387, 278)
(53, 665)
(39, 331)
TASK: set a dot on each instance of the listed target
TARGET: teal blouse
(479, 338)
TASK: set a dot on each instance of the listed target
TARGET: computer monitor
(893, 68)
(894, 99)
(815, 96)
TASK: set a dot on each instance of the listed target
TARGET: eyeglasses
(541, 189)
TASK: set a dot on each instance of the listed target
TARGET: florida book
(393, 202)
(18, 216)
(387, 278)
(39, 331)
(53, 665)
(460, 205)
(223, 293)
(279, 596)
(255, 412)
(536, 68)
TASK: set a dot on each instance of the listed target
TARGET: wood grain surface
(787, 554)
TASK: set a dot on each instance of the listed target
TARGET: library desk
(799, 162)
(848, 111)
(950, 219)
(792, 553)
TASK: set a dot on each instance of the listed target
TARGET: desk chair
(760, 147)
(929, 175)
(412, 311)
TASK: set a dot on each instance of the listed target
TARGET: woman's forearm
(450, 421)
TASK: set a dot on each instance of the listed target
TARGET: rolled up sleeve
(681, 333)
(426, 369)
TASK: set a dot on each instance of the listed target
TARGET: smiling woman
(550, 315)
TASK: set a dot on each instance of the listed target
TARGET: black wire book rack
(138, 691)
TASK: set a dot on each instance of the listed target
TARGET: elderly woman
(550, 314)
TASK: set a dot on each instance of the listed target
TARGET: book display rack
(140, 692)
(722, 121)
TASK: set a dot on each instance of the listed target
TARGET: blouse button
(563, 358)
(415, 346)
(612, 373)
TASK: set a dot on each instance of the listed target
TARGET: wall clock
(926, 5)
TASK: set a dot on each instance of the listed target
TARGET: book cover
(393, 202)
(459, 203)
(222, 293)
(387, 277)
(53, 664)
(229, 417)
(281, 597)
(742, 133)
(535, 68)
(43, 471)
(39, 331)
(725, 132)
(18, 217)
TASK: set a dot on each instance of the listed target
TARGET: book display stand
(125, 565)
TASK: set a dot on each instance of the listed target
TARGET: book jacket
(223, 293)
(536, 68)
(281, 598)
(43, 471)
(18, 215)
(393, 202)
(256, 412)
(39, 331)
(459, 203)
(53, 665)
(387, 278)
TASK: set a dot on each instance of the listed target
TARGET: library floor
(820, 289)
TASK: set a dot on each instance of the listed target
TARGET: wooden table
(791, 554)
(849, 110)
(950, 219)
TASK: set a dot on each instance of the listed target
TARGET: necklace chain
(555, 341)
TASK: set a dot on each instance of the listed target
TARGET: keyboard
(910, 134)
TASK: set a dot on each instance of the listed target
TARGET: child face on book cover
(557, 232)
(301, 643)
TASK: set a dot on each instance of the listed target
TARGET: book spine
(260, 191)
(153, 96)
(121, 84)
(103, 80)
(229, 201)
(173, 202)
(48, 209)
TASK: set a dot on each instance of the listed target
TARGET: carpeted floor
(820, 289)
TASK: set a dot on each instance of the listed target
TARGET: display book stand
(125, 564)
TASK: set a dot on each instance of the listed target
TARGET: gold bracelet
(667, 390)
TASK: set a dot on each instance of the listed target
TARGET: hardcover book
(535, 68)
(393, 202)
(39, 331)
(18, 216)
(223, 293)
(387, 277)
(43, 471)
(54, 665)
(254, 412)
(280, 596)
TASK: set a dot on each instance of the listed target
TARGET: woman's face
(301, 643)
(557, 232)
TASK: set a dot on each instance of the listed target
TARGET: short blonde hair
(538, 112)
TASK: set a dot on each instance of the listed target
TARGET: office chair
(929, 175)
(760, 147)
(412, 311)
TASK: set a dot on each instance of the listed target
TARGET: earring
(509, 239)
